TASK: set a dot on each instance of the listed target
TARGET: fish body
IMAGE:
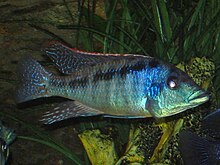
(108, 84)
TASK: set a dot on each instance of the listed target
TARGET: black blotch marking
(58, 83)
(78, 83)
(153, 63)
(104, 76)
(108, 75)
(138, 66)
(72, 83)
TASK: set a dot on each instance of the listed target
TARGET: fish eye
(172, 82)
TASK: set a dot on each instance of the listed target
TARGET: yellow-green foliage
(169, 129)
(133, 155)
(99, 147)
(201, 70)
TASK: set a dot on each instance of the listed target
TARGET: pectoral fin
(68, 109)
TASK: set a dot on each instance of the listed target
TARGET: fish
(197, 150)
(7, 136)
(210, 124)
(110, 85)
(4, 152)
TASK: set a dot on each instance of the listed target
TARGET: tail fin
(196, 150)
(33, 80)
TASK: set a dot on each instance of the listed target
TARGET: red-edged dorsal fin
(68, 60)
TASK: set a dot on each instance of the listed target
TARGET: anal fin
(68, 109)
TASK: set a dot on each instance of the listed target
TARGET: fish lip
(199, 97)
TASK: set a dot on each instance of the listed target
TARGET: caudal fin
(33, 80)
(196, 150)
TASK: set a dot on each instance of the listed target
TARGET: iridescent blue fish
(113, 85)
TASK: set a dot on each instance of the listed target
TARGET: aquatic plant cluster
(183, 33)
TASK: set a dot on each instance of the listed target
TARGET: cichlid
(197, 150)
(4, 152)
(210, 124)
(7, 136)
(113, 85)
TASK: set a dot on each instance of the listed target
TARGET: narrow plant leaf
(108, 29)
(94, 31)
(62, 150)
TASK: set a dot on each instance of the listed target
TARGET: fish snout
(199, 96)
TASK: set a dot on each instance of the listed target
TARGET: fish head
(178, 93)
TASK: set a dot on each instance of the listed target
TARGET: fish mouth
(199, 97)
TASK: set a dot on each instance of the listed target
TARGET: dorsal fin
(69, 60)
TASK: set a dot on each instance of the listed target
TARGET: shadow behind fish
(112, 85)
